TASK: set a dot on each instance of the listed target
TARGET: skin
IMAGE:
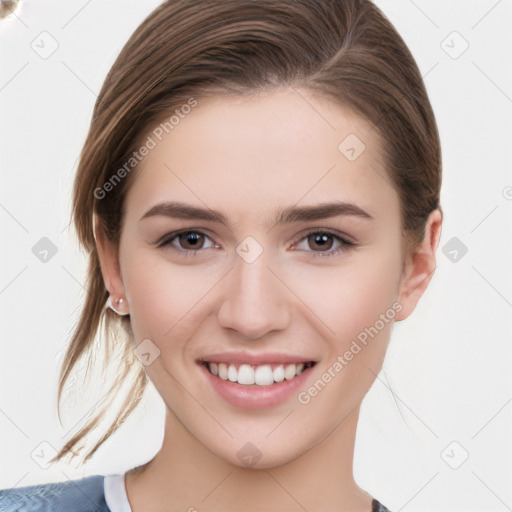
(248, 158)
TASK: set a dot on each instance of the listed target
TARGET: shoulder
(82, 495)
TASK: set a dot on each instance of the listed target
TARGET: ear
(108, 254)
(420, 266)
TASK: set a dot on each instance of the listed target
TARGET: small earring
(119, 303)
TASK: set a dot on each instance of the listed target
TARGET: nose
(254, 299)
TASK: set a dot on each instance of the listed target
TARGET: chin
(253, 455)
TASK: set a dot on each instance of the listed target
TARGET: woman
(259, 197)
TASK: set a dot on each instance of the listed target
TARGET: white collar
(115, 493)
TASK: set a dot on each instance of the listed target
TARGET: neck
(185, 475)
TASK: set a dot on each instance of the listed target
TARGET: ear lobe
(420, 266)
(108, 254)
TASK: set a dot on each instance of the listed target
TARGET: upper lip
(255, 359)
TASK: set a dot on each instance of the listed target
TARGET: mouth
(256, 381)
(266, 374)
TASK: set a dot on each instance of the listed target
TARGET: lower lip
(256, 397)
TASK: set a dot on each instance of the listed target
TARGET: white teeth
(279, 373)
(245, 375)
(223, 371)
(261, 375)
(289, 371)
(232, 373)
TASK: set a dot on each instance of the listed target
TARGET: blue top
(83, 495)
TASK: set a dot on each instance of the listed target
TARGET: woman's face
(293, 255)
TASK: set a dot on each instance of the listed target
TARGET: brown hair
(346, 50)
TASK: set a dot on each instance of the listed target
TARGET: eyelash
(345, 244)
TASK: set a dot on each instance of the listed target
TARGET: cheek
(356, 302)
(352, 297)
(165, 299)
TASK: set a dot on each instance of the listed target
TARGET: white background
(447, 373)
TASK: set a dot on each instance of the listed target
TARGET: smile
(257, 375)
(256, 380)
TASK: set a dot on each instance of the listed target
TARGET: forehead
(258, 152)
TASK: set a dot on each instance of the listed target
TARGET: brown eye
(320, 241)
(324, 243)
(191, 240)
(187, 243)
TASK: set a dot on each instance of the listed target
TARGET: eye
(321, 242)
(188, 242)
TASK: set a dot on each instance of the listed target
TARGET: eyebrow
(287, 215)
